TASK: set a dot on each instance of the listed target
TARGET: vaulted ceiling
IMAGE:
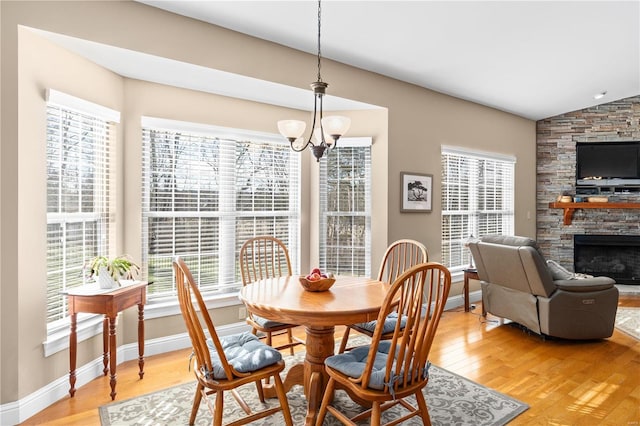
(535, 59)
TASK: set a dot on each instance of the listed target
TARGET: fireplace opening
(615, 256)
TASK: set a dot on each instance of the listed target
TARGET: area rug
(629, 289)
(452, 400)
(628, 321)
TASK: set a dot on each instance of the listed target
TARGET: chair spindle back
(399, 257)
(263, 257)
(418, 295)
(195, 322)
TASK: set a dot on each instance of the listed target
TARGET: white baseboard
(458, 300)
(19, 411)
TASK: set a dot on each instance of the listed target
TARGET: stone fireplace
(616, 121)
(615, 256)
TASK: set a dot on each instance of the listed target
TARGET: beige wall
(419, 121)
(42, 65)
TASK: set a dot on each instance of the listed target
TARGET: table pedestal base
(351, 300)
(320, 344)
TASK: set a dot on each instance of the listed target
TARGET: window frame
(473, 212)
(59, 105)
(165, 303)
(333, 155)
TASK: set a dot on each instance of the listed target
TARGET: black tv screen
(608, 160)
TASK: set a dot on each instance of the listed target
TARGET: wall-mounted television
(596, 161)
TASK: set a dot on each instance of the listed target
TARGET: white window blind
(477, 199)
(206, 191)
(80, 185)
(345, 208)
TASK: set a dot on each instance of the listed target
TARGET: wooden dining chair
(223, 364)
(399, 256)
(265, 257)
(385, 372)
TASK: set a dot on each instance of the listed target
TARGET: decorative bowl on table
(322, 284)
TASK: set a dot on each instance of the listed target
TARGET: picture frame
(416, 192)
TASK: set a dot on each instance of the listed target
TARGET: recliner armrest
(585, 284)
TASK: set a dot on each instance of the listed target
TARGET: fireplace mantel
(569, 208)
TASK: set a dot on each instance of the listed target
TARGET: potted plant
(109, 271)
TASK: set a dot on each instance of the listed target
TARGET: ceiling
(535, 59)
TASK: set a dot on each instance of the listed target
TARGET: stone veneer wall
(556, 164)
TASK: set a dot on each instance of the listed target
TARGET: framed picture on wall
(416, 192)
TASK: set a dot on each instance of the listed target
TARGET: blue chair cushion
(244, 352)
(389, 323)
(352, 363)
(267, 323)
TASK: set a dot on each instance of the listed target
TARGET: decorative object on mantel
(565, 199)
(108, 271)
(329, 129)
(598, 199)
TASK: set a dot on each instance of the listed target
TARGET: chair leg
(282, 397)
(326, 400)
(290, 336)
(217, 416)
(345, 339)
(268, 342)
(260, 390)
(424, 410)
(375, 414)
(196, 404)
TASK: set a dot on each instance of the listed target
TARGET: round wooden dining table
(350, 300)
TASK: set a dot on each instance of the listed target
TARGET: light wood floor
(564, 382)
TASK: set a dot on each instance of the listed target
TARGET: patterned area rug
(628, 321)
(629, 289)
(451, 399)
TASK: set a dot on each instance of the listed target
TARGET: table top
(350, 300)
(95, 290)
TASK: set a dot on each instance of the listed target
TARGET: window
(477, 199)
(206, 190)
(80, 185)
(345, 208)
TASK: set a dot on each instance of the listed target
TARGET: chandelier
(329, 129)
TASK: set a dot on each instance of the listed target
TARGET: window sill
(91, 325)
(457, 276)
(169, 306)
(87, 327)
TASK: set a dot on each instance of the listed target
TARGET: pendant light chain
(319, 51)
(328, 130)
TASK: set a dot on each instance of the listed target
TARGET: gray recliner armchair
(517, 284)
